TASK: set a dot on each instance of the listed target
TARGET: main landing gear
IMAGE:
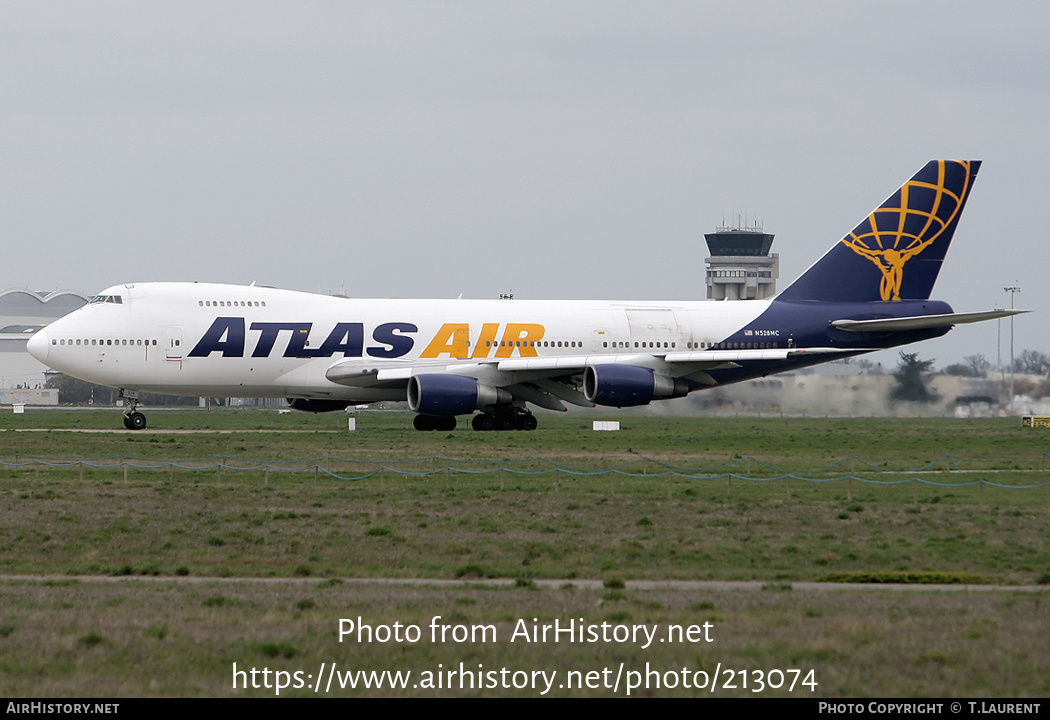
(500, 419)
(504, 419)
(133, 419)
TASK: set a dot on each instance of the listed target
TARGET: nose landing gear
(133, 419)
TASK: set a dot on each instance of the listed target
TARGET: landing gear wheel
(504, 418)
(526, 421)
(423, 422)
(135, 421)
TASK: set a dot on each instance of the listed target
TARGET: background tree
(1032, 362)
(868, 366)
(978, 364)
(960, 370)
(911, 375)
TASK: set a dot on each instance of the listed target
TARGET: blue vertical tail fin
(896, 252)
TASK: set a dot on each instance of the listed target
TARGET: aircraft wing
(921, 322)
(544, 381)
(358, 372)
(704, 359)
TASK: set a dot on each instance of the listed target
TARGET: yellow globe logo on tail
(906, 224)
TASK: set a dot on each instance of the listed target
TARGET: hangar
(22, 313)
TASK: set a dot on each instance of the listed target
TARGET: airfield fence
(642, 468)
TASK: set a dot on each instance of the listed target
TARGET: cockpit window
(107, 299)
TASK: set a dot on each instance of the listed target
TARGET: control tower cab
(741, 266)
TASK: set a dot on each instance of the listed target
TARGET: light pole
(1013, 289)
(999, 358)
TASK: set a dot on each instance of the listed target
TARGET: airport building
(22, 313)
(741, 266)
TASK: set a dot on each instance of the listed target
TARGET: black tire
(135, 421)
(527, 422)
(482, 422)
(445, 424)
(423, 422)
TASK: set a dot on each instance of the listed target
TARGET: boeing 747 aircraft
(454, 357)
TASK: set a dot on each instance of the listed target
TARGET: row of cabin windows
(525, 343)
(532, 343)
(501, 343)
(735, 346)
(698, 345)
(231, 303)
(643, 345)
(106, 342)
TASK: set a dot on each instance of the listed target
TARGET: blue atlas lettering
(226, 335)
(347, 338)
(270, 330)
(400, 345)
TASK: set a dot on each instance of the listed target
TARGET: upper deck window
(117, 299)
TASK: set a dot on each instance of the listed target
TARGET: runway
(546, 584)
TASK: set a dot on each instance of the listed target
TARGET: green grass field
(389, 502)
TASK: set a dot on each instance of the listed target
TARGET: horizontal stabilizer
(921, 322)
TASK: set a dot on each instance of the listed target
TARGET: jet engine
(316, 406)
(628, 385)
(436, 394)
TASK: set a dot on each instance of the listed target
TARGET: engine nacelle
(316, 406)
(628, 385)
(437, 394)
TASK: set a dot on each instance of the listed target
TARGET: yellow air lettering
(520, 336)
(452, 339)
(486, 340)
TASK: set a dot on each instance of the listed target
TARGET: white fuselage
(230, 340)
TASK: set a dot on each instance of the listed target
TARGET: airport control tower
(741, 266)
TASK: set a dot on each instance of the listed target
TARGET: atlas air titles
(228, 336)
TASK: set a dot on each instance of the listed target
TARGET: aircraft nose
(38, 346)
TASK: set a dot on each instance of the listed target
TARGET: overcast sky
(556, 149)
